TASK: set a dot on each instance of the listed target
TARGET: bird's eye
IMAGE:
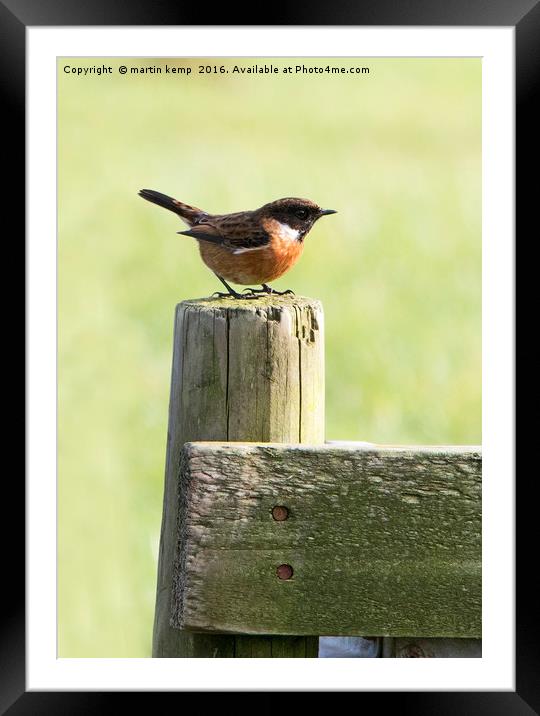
(301, 213)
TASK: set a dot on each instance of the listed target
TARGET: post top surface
(265, 301)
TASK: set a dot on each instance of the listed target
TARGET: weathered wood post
(242, 371)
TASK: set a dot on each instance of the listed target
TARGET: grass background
(398, 269)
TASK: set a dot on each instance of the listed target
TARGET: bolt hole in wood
(280, 513)
(284, 571)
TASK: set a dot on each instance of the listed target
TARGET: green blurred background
(398, 269)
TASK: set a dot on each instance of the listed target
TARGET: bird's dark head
(297, 214)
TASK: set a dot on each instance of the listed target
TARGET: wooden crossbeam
(326, 540)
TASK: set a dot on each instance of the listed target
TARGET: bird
(247, 247)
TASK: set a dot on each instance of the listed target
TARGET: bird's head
(297, 214)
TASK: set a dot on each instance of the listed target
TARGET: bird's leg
(231, 291)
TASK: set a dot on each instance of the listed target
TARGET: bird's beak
(326, 212)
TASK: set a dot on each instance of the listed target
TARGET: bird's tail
(190, 214)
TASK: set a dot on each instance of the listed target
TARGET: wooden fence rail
(287, 539)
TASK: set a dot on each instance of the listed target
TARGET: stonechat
(249, 246)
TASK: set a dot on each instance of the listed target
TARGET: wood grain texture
(383, 541)
(242, 370)
(414, 648)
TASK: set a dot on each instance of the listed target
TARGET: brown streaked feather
(232, 232)
(204, 232)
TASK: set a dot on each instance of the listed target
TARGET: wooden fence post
(242, 371)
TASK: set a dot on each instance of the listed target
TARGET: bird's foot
(269, 290)
(289, 291)
(252, 291)
(233, 294)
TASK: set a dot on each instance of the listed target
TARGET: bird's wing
(230, 234)
(204, 232)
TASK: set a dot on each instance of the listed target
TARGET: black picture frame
(15, 16)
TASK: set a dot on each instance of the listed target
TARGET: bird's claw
(268, 290)
(273, 292)
(220, 294)
(284, 293)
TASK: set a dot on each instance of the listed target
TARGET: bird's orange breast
(257, 266)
